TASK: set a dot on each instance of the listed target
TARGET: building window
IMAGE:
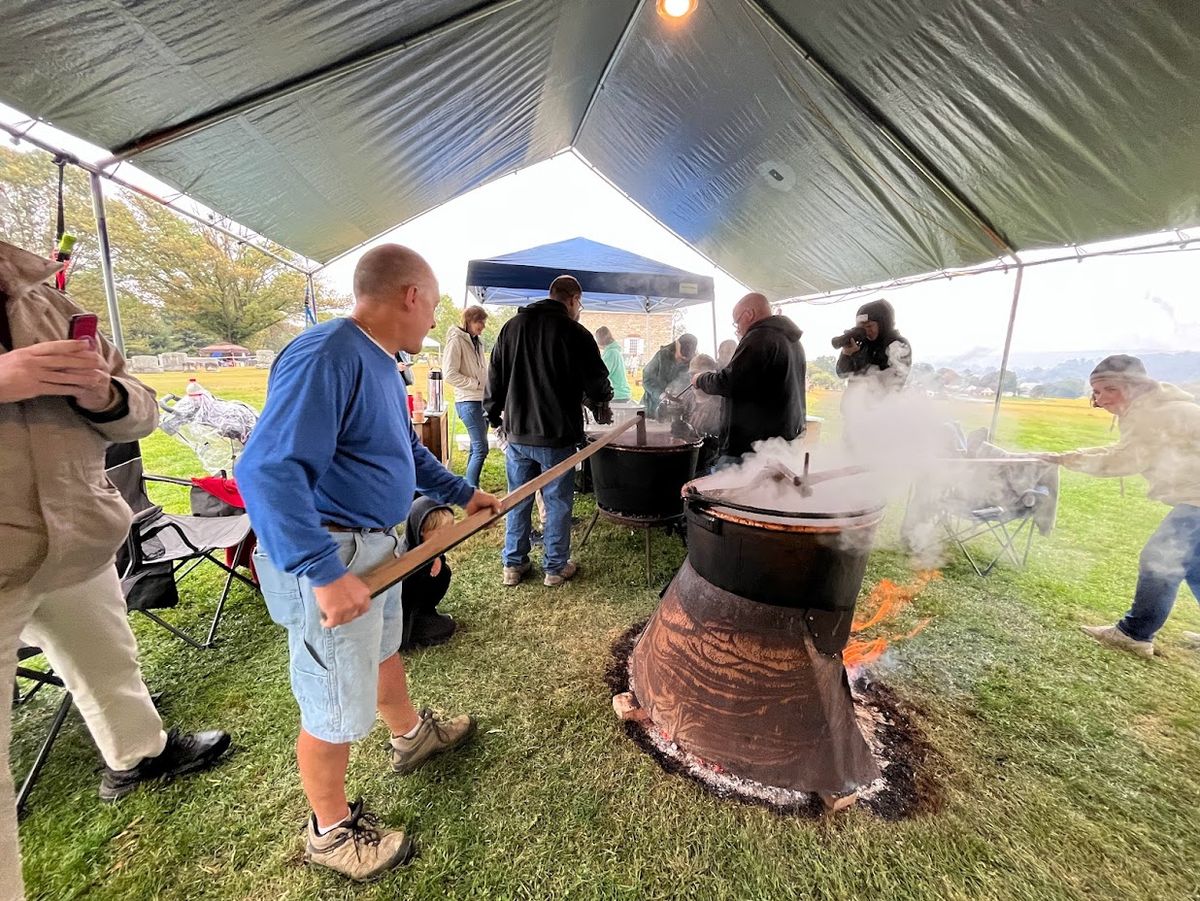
(633, 346)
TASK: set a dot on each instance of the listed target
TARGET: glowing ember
(886, 601)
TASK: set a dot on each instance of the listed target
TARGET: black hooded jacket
(763, 386)
(422, 591)
(543, 366)
(890, 354)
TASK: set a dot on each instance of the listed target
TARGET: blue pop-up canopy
(612, 279)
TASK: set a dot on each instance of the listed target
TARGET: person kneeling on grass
(1160, 440)
(330, 469)
(423, 625)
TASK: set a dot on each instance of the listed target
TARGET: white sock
(322, 830)
(411, 733)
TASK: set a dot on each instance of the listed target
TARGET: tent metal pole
(1012, 318)
(608, 67)
(908, 151)
(312, 294)
(110, 286)
(19, 135)
(332, 72)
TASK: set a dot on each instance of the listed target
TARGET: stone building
(638, 334)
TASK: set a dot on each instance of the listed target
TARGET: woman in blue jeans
(1160, 440)
(464, 367)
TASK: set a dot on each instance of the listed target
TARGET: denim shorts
(335, 672)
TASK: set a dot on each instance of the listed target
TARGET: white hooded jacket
(1160, 440)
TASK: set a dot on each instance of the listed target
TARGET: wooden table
(434, 433)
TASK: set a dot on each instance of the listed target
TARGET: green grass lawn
(1066, 771)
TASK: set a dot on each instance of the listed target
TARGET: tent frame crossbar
(20, 135)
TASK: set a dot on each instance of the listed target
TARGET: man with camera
(874, 352)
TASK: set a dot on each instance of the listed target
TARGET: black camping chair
(163, 548)
(39, 679)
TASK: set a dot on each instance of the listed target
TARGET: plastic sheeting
(612, 279)
(1058, 121)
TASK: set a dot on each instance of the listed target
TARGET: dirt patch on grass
(889, 725)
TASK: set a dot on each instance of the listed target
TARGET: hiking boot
(185, 752)
(433, 737)
(514, 574)
(360, 848)
(553, 580)
(1115, 638)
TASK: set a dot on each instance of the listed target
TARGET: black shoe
(429, 629)
(185, 752)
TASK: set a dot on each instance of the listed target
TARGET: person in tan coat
(465, 367)
(1160, 440)
(61, 403)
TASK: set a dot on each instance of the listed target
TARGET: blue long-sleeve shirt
(335, 445)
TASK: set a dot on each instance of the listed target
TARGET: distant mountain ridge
(1051, 366)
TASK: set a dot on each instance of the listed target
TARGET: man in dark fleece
(763, 385)
(544, 368)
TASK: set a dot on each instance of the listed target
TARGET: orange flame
(886, 601)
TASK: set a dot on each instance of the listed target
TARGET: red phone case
(83, 327)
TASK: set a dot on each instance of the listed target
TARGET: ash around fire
(901, 751)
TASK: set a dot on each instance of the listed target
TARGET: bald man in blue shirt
(330, 470)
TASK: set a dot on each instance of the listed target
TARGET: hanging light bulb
(676, 9)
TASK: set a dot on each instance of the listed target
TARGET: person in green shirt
(610, 353)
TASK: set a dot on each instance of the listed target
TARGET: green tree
(179, 285)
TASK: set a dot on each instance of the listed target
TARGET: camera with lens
(857, 335)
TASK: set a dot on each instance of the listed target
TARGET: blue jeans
(471, 414)
(1170, 557)
(523, 463)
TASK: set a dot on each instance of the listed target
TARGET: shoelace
(435, 723)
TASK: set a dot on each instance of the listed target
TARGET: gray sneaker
(553, 580)
(514, 574)
(360, 848)
(1115, 638)
(433, 737)
(1191, 640)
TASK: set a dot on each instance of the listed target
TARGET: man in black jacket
(544, 367)
(764, 382)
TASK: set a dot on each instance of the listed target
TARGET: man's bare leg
(395, 706)
(323, 775)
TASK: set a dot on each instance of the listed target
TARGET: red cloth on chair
(227, 490)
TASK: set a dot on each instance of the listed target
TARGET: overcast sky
(1137, 303)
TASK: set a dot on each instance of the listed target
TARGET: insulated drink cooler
(436, 398)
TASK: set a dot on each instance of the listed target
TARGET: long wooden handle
(388, 574)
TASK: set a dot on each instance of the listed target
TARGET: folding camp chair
(1006, 524)
(1000, 497)
(163, 548)
(40, 679)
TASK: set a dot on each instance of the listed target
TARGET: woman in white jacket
(1160, 440)
(464, 366)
